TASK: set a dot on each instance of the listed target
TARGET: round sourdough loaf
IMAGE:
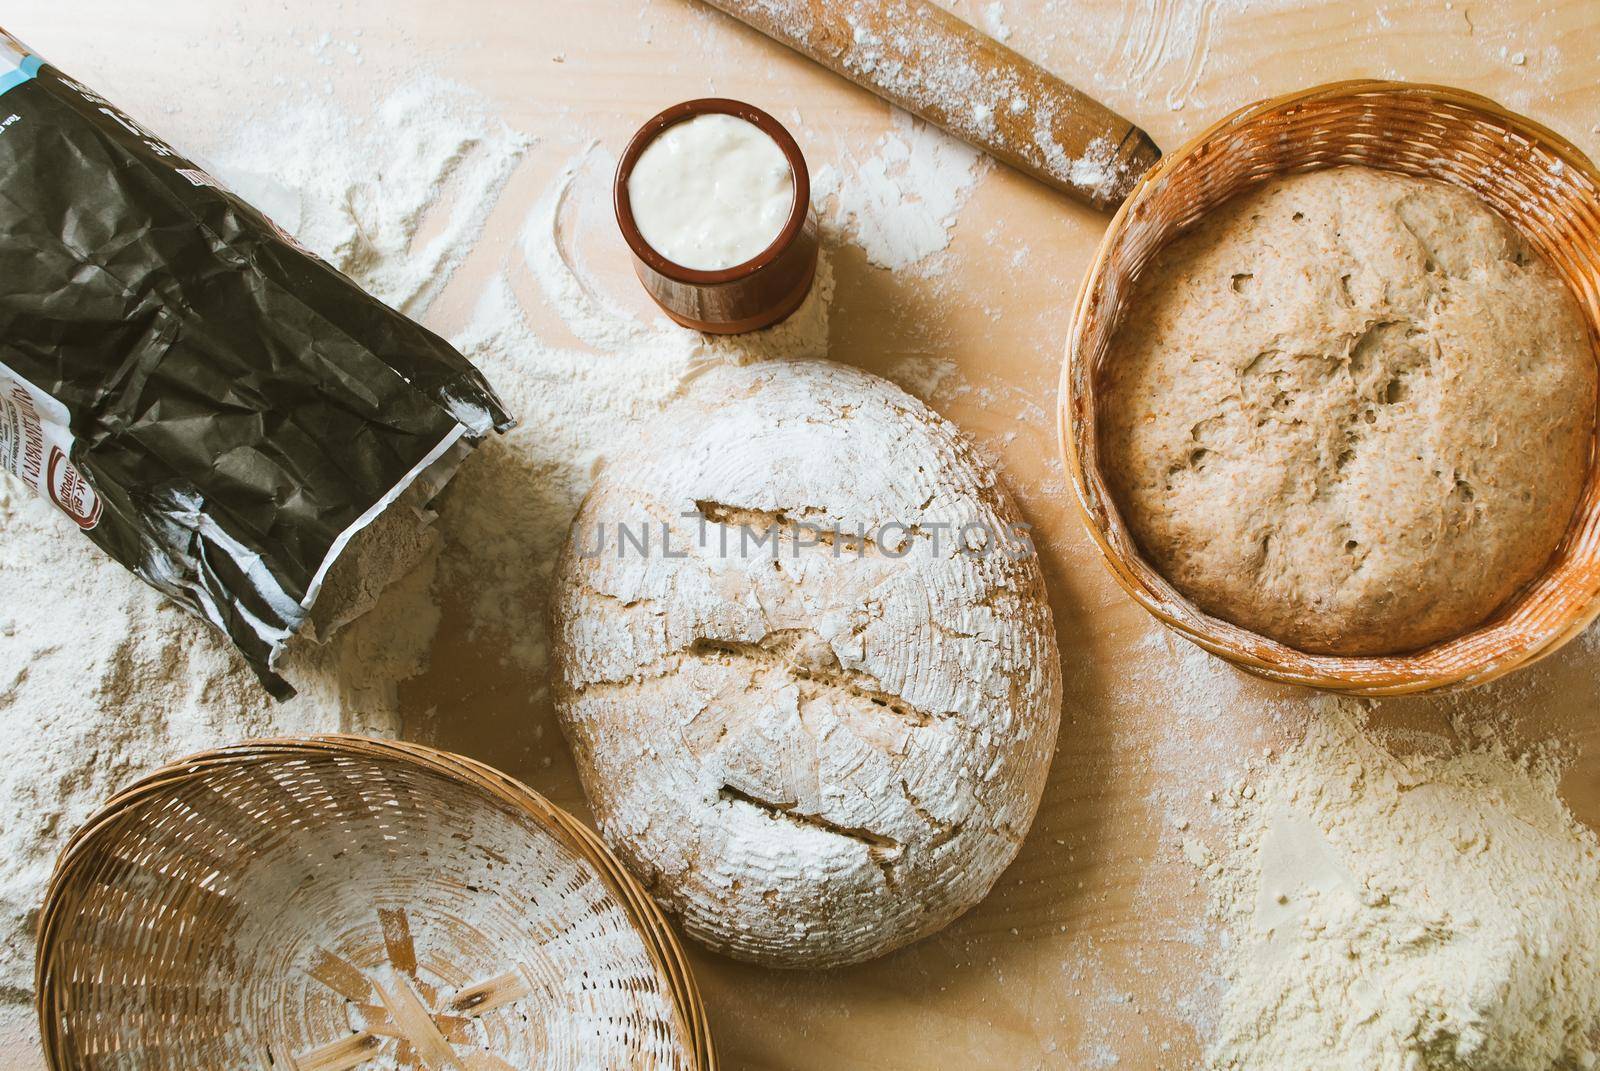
(1353, 412)
(806, 664)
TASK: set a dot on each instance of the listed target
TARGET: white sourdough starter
(1490, 884)
(711, 192)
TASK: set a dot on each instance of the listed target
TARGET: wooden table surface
(1091, 950)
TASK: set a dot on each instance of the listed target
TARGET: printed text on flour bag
(36, 445)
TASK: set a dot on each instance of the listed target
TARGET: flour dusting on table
(1222, 746)
(1411, 907)
(357, 189)
(994, 21)
(900, 203)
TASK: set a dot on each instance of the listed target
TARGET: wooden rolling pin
(929, 62)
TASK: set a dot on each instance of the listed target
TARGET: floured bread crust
(1352, 411)
(818, 755)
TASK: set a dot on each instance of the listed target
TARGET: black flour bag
(215, 407)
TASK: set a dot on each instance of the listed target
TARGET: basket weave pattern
(339, 902)
(1538, 181)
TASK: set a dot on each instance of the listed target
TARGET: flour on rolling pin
(929, 62)
(711, 192)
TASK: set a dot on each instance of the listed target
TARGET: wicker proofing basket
(339, 902)
(1530, 175)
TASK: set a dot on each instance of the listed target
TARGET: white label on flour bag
(36, 444)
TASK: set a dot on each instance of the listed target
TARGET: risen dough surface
(1351, 411)
(818, 756)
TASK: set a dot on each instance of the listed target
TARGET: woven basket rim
(1330, 672)
(661, 942)
(1351, 87)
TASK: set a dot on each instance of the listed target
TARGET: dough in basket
(1352, 411)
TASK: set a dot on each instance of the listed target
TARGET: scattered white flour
(994, 21)
(901, 202)
(924, 376)
(357, 190)
(1161, 50)
(1097, 167)
(1404, 904)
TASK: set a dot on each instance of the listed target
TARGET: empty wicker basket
(1531, 176)
(339, 902)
